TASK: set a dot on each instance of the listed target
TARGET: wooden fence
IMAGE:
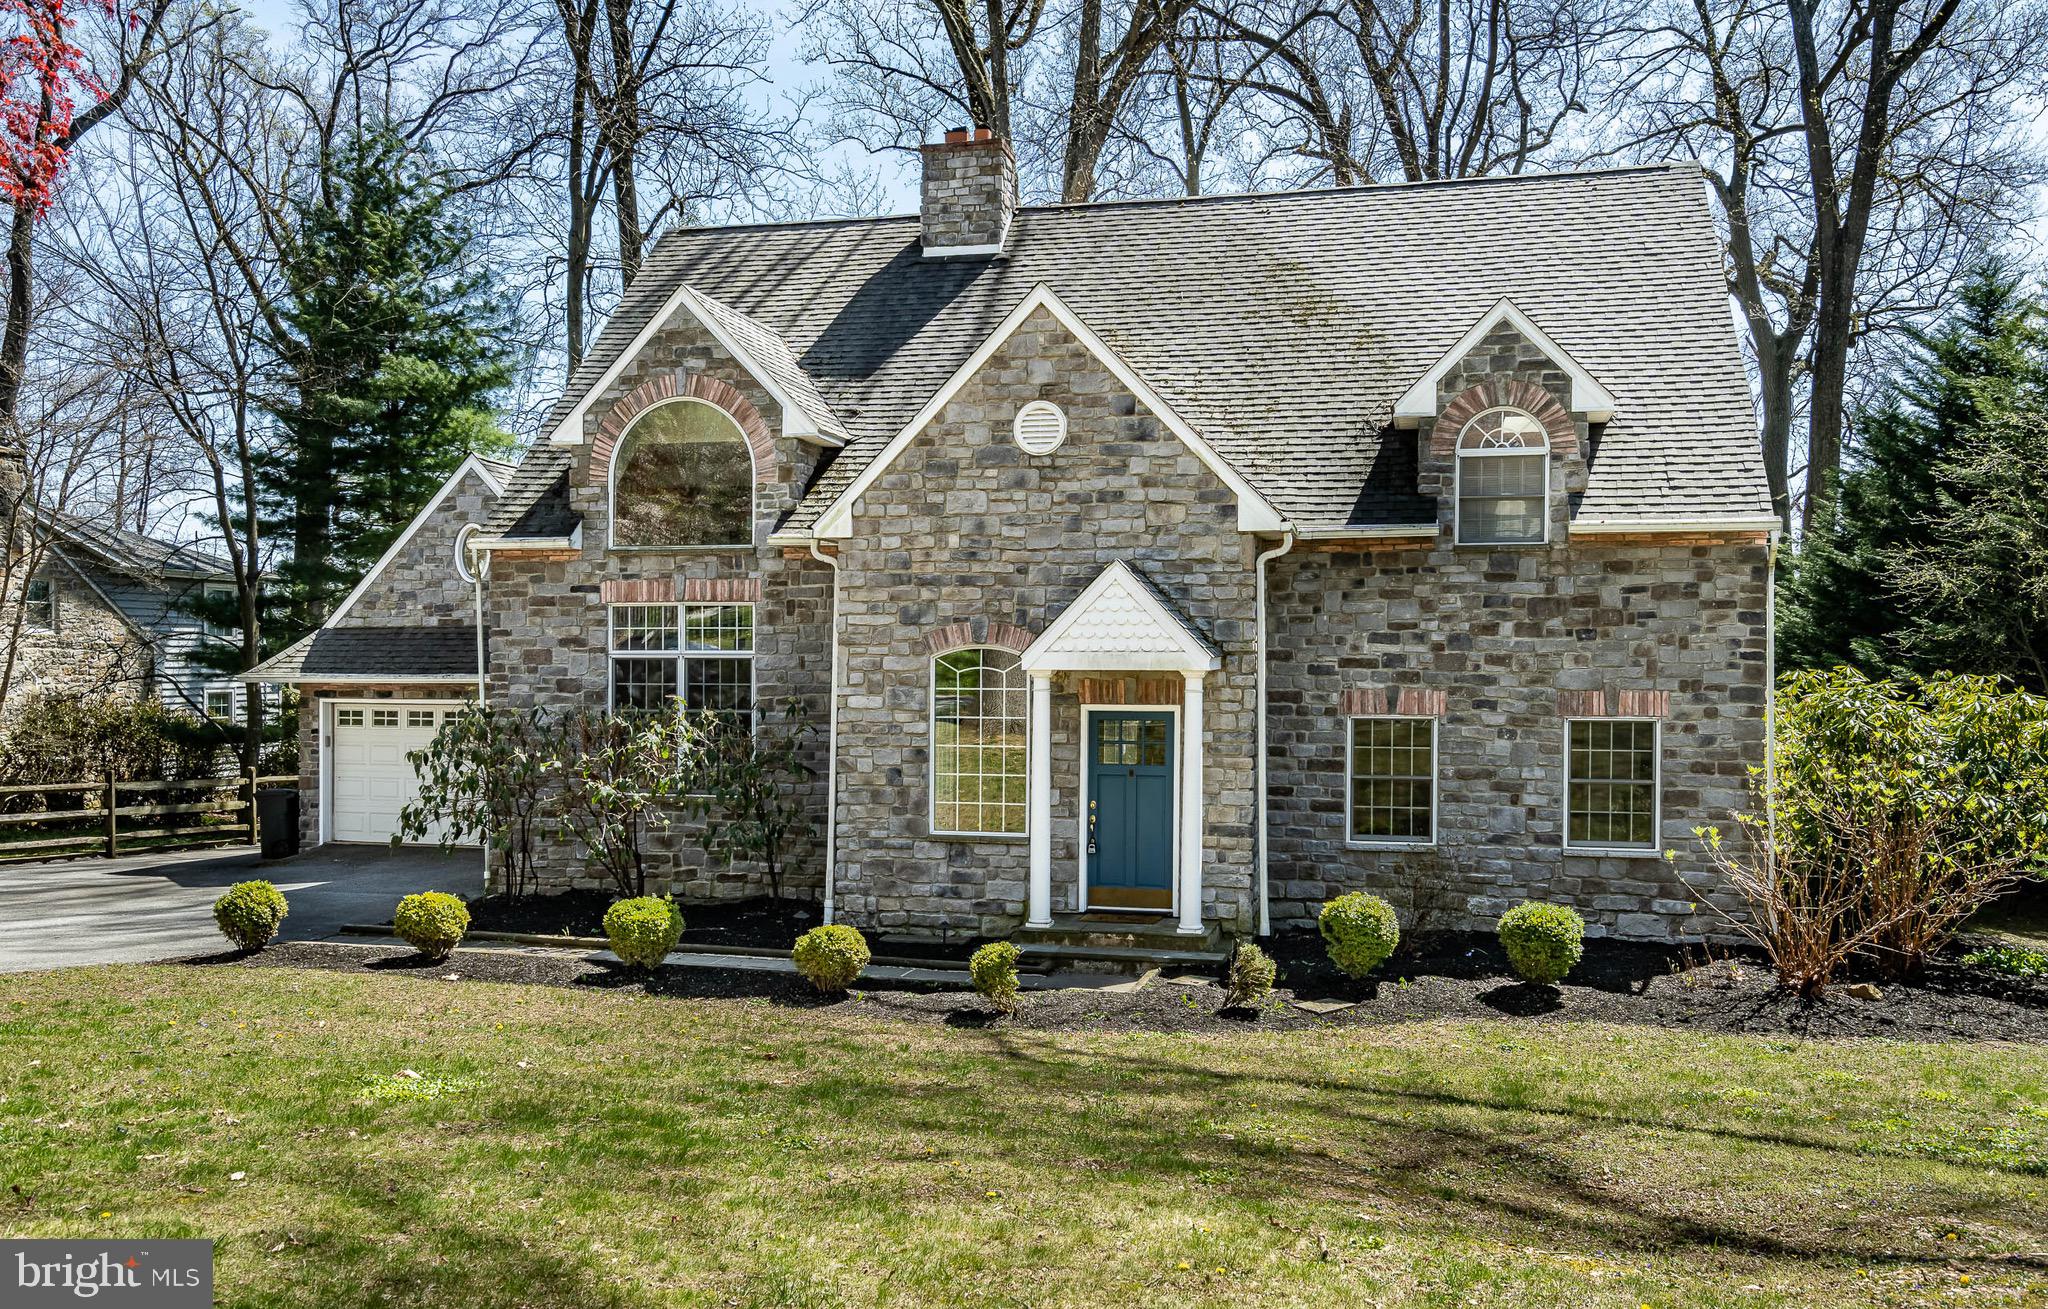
(175, 816)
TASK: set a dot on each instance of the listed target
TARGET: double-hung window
(1611, 783)
(1392, 791)
(701, 654)
(980, 700)
(39, 606)
(1503, 473)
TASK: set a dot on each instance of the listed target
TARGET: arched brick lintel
(692, 386)
(1504, 393)
(978, 632)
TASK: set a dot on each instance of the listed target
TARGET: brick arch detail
(1504, 393)
(978, 632)
(692, 386)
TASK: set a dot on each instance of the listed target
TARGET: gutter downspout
(1259, 759)
(1771, 688)
(478, 562)
(831, 736)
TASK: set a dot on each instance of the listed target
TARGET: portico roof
(1122, 623)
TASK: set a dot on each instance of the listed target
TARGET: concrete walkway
(145, 907)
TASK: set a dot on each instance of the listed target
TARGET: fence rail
(96, 826)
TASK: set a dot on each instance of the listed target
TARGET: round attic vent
(1041, 426)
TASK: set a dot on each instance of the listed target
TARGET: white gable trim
(796, 421)
(1418, 404)
(470, 465)
(1254, 512)
(1118, 589)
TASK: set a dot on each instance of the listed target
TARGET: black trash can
(277, 821)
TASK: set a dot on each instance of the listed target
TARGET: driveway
(146, 907)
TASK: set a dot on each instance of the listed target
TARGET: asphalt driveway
(146, 907)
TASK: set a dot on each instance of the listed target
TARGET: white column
(1191, 806)
(1038, 907)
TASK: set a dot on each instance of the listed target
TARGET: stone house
(1179, 563)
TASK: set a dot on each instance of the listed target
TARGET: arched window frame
(1015, 682)
(1538, 438)
(622, 454)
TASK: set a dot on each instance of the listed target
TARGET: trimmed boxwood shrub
(431, 922)
(1249, 978)
(831, 958)
(1360, 932)
(644, 929)
(994, 970)
(1543, 941)
(250, 914)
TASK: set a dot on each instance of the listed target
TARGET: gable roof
(374, 654)
(1419, 401)
(1122, 621)
(493, 472)
(132, 553)
(1282, 328)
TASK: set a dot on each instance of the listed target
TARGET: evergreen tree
(390, 355)
(1841, 602)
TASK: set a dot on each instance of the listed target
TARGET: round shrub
(250, 913)
(994, 970)
(431, 922)
(644, 929)
(831, 957)
(1360, 932)
(1543, 941)
(1249, 978)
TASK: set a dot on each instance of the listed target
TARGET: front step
(1117, 943)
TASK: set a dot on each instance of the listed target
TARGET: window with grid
(1503, 480)
(1393, 779)
(980, 700)
(701, 653)
(1612, 784)
(220, 705)
(39, 607)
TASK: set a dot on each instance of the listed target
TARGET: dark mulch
(758, 922)
(1448, 977)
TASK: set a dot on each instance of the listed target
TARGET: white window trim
(207, 700)
(1436, 772)
(619, 452)
(462, 540)
(931, 767)
(1459, 454)
(613, 654)
(1654, 848)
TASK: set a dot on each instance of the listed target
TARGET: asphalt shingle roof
(397, 653)
(1282, 327)
(134, 553)
(536, 498)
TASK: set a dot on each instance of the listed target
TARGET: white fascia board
(358, 679)
(1418, 403)
(797, 423)
(1372, 531)
(1192, 657)
(472, 464)
(1254, 512)
(1618, 527)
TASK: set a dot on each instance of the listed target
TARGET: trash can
(277, 821)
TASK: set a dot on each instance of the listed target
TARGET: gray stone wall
(420, 587)
(966, 526)
(969, 192)
(92, 650)
(311, 709)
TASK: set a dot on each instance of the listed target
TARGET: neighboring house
(107, 612)
(1188, 560)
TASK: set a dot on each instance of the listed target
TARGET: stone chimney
(970, 194)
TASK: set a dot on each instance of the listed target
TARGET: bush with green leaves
(1360, 932)
(644, 929)
(431, 922)
(994, 970)
(832, 957)
(1543, 941)
(1249, 979)
(2012, 960)
(250, 914)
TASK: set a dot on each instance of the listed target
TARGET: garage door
(371, 778)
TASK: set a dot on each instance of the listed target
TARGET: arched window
(683, 476)
(1503, 480)
(980, 699)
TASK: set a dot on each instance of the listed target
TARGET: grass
(372, 1140)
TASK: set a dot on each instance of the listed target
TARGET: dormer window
(1503, 480)
(683, 476)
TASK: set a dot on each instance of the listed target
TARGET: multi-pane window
(40, 607)
(1503, 480)
(220, 705)
(348, 718)
(1611, 787)
(1393, 780)
(703, 654)
(980, 699)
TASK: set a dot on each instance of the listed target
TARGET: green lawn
(576, 1148)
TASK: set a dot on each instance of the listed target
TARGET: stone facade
(92, 649)
(419, 586)
(969, 192)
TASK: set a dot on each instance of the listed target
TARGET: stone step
(1059, 958)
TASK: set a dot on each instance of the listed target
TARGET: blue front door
(1129, 828)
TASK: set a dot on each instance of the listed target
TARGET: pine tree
(390, 354)
(1841, 601)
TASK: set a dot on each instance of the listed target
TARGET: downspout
(831, 734)
(1259, 760)
(478, 562)
(1771, 689)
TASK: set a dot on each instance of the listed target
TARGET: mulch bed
(1451, 976)
(758, 922)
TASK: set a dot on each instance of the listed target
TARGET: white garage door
(371, 777)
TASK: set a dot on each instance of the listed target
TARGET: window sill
(976, 838)
(1390, 847)
(1612, 852)
(1500, 545)
(746, 548)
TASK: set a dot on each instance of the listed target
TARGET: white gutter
(831, 736)
(478, 565)
(1618, 527)
(1396, 531)
(1259, 759)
